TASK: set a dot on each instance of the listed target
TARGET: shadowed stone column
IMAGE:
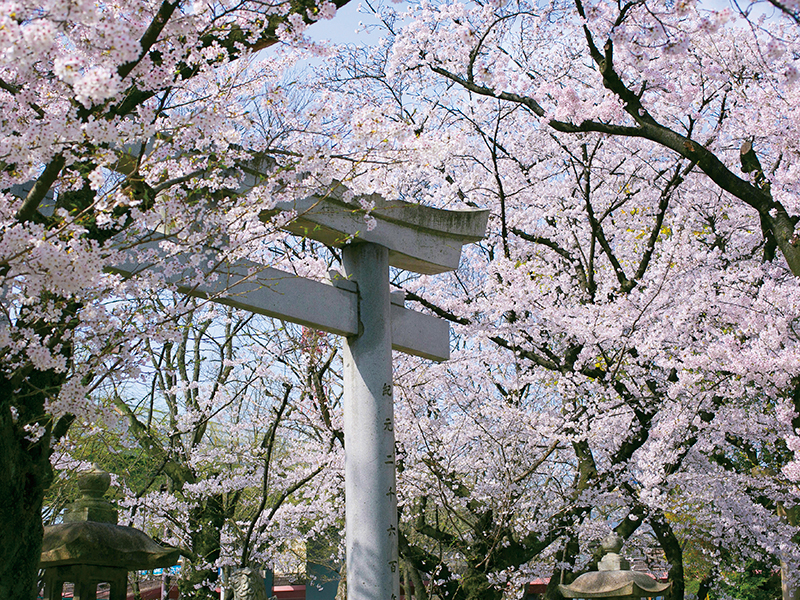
(371, 501)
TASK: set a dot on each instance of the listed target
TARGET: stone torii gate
(359, 307)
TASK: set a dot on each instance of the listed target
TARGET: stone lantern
(613, 578)
(89, 548)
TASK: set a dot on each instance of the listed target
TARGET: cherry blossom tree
(627, 351)
(233, 441)
(229, 424)
(118, 117)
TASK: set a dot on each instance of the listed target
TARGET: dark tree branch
(39, 190)
(439, 312)
(268, 444)
(150, 36)
(580, 272)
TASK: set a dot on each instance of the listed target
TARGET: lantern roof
(90, 535)
(613, 578)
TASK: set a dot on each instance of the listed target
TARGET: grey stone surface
(85, 579)
(420, 239)
(407, 236)
(613, 579)
(91, 506)
(612, 561)
(104, 544)
(325, 306)
(248, 584)
(90, 535)
(614, 584)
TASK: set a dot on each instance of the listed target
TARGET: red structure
(535, 588)
(289, 592)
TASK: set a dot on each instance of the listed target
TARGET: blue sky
(342, 29)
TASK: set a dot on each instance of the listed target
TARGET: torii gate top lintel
(419, 238)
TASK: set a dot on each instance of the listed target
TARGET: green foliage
(758, 581)
(104, 447)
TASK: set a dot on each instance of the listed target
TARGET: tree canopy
(625, 352)
(120, 119)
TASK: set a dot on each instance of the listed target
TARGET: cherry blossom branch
(287, 493)
(315, 382)
(673, 552)
(773, 214)
(792, 13)
(427, 562)
(14, 90)
(150, 36)
(580, 272)
(175, 470)
(537, 109)
(437, 310)
(538, 462)
(676, 179)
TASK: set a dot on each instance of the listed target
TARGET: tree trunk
(674, 554)
(790, 588)
(341, 591)
(205, 522)
(705, 586)
(476, 586)
(20, 529)
(25, 475)
(561, 575)
(420, 593)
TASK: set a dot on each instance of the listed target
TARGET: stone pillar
(370, 492)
